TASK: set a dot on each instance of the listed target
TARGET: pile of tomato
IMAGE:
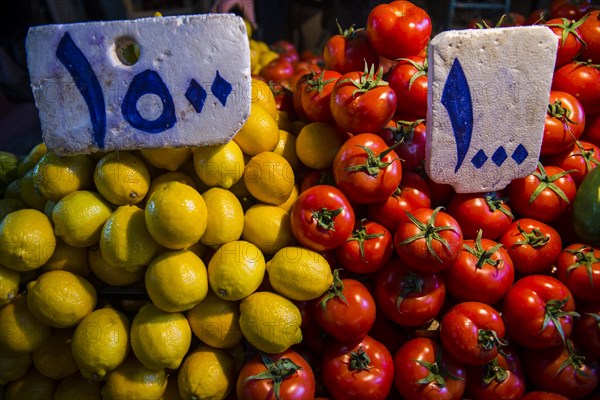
(441, 295)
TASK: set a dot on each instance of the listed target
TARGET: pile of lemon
(203, 232)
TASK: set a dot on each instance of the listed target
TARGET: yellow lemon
(32, 158)
(262, 46)
(26, 240)
(176, 280)
(176, 215)
(241, 192)
(268, 56)
(13, 366)
(254, 57)
(54, 358)
(170, 177)
(29, 194)
(270, 322)
(207, 373)
(225, 220)
(125, 241)
(268, 227)
(269, 178)
(286, 147)
(55, 176)
(101, 342)
(9, 167)
(8, 205)
(22, 331)
(61, 299)
(32, 385)
(68, 258)
(317, 144)
(76, 387)
(9, 285)
(299, 273)
(132, 381)
(289, 203)
(215, 321)
(79, 217)
(122, 178)
(160, 339)
(169, 158)
(220, 165)
(248, 26)
(263, 95)
(236, 270)
(259, 133)
(109, 274)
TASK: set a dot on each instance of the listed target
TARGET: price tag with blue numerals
(148, 83)
(487, 99)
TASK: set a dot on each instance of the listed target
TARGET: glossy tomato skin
(407, 297)
(542, 395)
(532, 245)
(563, 125)
(590, 33)
(348, 376)
(408, 79)
(367, 250)
(299, 385)
(408, 371)
(571, 9)
(570, 46)
(486, 211)
(398, 29)
(300, 80)
(358, 111)
(323, 199)
(415, 253)
(348, 51)
(581, 158)
(412, 136)
(582, 80)
(352, 169)
(587, 330)
(509, 387)
(279, 70)
(524, 311)
(316, 96)
(578, 267)
(483, 272)
(592, 129)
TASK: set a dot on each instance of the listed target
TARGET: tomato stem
(277, 372)
(483, 256)
(575, 360)
(495, 202)
(412, 283)
(535, 238)
(488, 339)
(556, 110)
(569, 27)
(374, 163)
(326, 218)
(359, 360)
(318, 83)
(547, 182)
(367, 80)
(335, 290)
(429, 232)
(494, 372)
(360, 235)
(588, 156)
(553, 312)
(586, 258)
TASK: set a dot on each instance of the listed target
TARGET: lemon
(269, 178)
(270, 322)
(122, 178)
(55, 176)
(21, 331)
(289, 203)
(132, 381)
(215, 321)
(254, 57)
(221, 165)
(259, 133)
(26, 240)
(169, 158)
(241, 192)
(9, 285)
(170, 177)
(54, 358)
(32, 158)
(125, 241)
(13, 366)
(268, 227)
(160, 339)
(176, 280)
(248, 26)
(79, 217)
(68, 258)
(172, 390)
(176, 215)
(268, 56)
(101, 342)
(76, 387)
(225, 217)
(29, 194)
(9, 167)
(286, 147)
(236, 270)
(109, 274)
(299, 273)
(317, 145)
(207, 373)
(263, 95)
(32, 385)
(61, 299)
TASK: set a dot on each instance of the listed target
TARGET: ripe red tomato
(582, 80)
(362, 369)
(587, 329)
(285, 375)
(592, 129)
(501, 378)
(472, 333)
(412, 137)
(279, 70)
(571, 9)
(408, 79)
(429, 240)
(483, 272)
(316, 96)
(423, 370)
(408, 297)
(543, 195)
(283, 99)
(349, 51)
(362, 102)
(322, 218)
(538, 311)
(580, 159)
(532, 245)
(578, 267)
(285, 49)
(297, 90)
(398, 29)
(367, 250)
(488, 212)
(541, 395)
(570, 42)
(347, 310)
(366, 170)
(590, 33)
(565, 121)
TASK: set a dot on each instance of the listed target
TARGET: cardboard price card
(148, 83)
